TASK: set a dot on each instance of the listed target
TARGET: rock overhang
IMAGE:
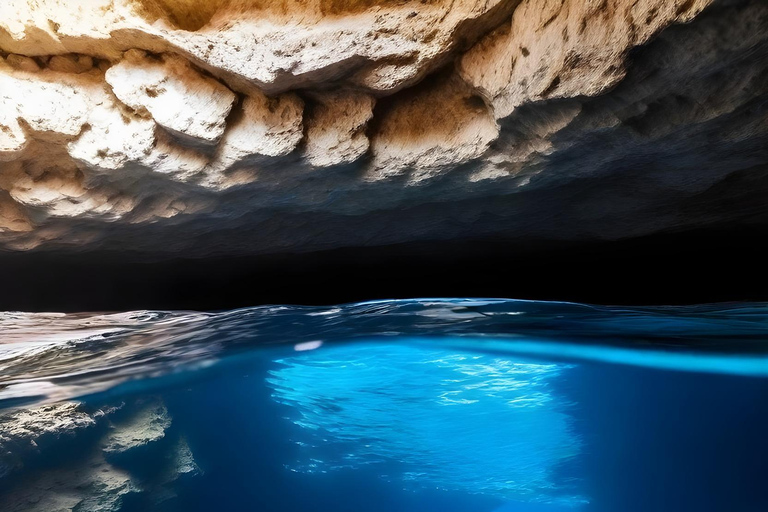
(251, 127)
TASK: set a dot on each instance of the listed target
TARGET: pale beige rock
(179, 163)
(172, 127)
(12, 215)
(22, 430)
(22, 63)
(146, 425)
(177, 97)
(114, 137)
(336, 128)
(565, 48)
(439, 125)
(51, 106)
(263, 127)
(12, 138)
(50, 115)
(275, 46)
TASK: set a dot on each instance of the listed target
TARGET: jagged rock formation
(22, 432)
(144, 427)
(99, 474)
(248, 126)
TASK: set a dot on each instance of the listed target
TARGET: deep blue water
(431, 405)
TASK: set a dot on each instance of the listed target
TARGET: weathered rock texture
(90, 457)
(252, 126)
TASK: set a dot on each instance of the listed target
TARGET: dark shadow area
(669, 441)
(708, 266)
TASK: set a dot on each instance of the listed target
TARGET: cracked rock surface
(258, 127)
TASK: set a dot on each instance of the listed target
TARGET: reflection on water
(408, 406)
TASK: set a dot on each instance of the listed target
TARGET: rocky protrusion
(22, 431)
(264, 127)
(147, 424)
(71, 63)
(336, 129)
(48, 106)
(430, 128)
(22, 63)
(110, 453)
(565, 49)
(183, 461)
(88, 485)
(177, 128)
(12, 138)
(177, 96)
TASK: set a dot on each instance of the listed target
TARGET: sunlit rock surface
(249, 126)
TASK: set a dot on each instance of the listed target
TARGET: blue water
(429, 405)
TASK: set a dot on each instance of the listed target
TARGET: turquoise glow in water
(461, 405)
(456, 421)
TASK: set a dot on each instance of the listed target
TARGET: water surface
(421, 405)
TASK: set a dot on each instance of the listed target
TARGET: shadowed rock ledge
(252, 127)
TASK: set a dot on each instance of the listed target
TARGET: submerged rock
(91, 485)
(147, 424)
(251, 127)
(183, 461)
(86, 484)
(90, 473)
(23, 431)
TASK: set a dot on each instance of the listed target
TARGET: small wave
(49, 356)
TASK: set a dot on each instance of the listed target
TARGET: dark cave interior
(681, 268)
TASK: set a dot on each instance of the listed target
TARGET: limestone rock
(22, 63)
(252, 127)
(183, 461)
(144, 426)
(276, 46)
(565, 49)
(22, 431)
(59, 110)
(70, 63)
(442, 124)
(264, 127)
(177, 97)
(100, 472)
(91, 485)
(336, 128)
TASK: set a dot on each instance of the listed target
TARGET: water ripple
(49, 356)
